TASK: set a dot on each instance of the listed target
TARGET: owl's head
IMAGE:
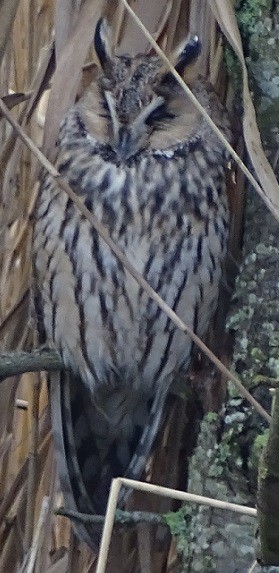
(135, 79)
(140, 97)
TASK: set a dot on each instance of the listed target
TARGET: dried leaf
(133, 41)
(224, 13)
(61, 566)
(65, 12)
(8, 10)
(201, 23)
(12, 150)
(68, 71)
(19, 481)
(11, 100)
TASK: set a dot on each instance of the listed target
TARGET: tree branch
(122, 517)
(18, 362)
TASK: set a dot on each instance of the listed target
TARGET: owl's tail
(94, 444)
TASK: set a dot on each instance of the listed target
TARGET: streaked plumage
(146, 163)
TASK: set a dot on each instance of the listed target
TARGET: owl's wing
(75, 495)
(85, 477)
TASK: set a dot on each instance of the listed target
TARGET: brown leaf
(11, 100)
(64, 15)
(68, 72)
(8, 10)
(224, 13)
(133, 41)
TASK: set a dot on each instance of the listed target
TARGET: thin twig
(157, 490)
(101, 229)
(14, 310)
(186, 496)
(121, 517)
(21, 404)
(108, 525)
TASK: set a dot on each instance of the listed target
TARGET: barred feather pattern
(156, 180)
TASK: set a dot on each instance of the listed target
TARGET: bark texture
(227, 457)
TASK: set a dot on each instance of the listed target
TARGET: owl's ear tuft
(189, 54)
(184, 57)
(102, 44)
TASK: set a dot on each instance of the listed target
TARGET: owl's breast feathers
(154, 174)
(166, 208)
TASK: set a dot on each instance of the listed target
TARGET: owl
(141, 157)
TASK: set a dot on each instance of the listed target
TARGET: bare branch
(18, 362)
(121, 517)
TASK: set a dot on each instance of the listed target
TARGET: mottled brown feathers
(141, 157)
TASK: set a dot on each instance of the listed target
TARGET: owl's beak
(124, 143)
(128, 139)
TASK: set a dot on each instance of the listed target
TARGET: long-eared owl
(143, 159)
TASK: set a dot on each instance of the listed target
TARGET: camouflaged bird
(143, 159)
